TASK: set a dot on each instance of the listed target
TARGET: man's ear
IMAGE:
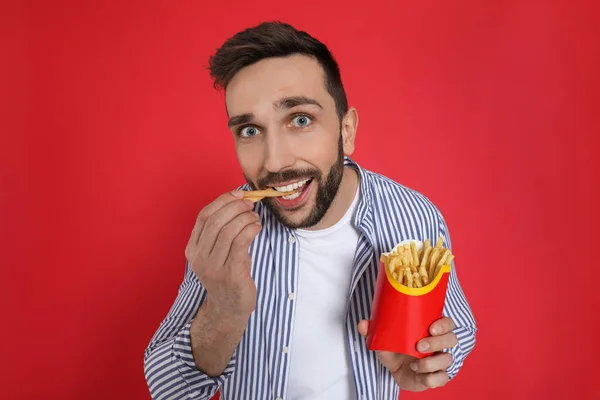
(349, 127)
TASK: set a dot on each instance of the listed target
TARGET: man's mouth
(300, 185)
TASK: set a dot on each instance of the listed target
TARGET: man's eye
(301, 121)
(249, 131)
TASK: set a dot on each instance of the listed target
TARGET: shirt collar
(364, 214)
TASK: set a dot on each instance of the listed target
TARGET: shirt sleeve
(169, 366)
(457, 308)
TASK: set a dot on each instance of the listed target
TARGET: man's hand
(416, 374)
(218, 255)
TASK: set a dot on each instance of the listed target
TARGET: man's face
(287, 135)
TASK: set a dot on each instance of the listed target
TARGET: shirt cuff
(200, 382)
(458, 356)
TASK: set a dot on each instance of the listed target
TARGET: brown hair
(275, 39)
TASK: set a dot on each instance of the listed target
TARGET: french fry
(424, 275)
(408, 254)
(409, 277)
(399, 264)
(439, 243)
(417, 280)
(442, 261)
(410, 258)
(415, 256)
(435, 254)
(425, 259)
(404, 260)
(440, 264)
(392, 262)
(448, 262)
(257, 195)
(444, 252)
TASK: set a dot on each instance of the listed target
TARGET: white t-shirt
(320, 362)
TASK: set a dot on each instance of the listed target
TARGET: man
(277, 295)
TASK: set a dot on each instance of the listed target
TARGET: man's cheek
(248, 168)
(250, 156)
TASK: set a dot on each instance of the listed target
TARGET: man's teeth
(292, 196)
(291, 187)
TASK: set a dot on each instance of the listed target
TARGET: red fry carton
(401, 316)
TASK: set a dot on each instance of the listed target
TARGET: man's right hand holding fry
(218, 255)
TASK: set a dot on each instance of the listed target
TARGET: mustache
(275, 178)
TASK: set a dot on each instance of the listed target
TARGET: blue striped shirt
(387, 214)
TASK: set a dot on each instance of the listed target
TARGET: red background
(112, 140)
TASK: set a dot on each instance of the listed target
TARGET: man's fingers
(217, 221)
(442, 326)
(392, 361)
(212, 208)
(190, 249)
(434, 363)
(219, 203)
(433, 380)
(363, 327)
(228, 233)
(240, 245)
(209, 210)
(434, 344)
(196, 232)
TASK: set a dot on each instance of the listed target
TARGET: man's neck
(342, 201)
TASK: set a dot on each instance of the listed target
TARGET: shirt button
(292, 296)
(292, 239)
(285, 350)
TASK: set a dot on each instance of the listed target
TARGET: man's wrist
(222, 321)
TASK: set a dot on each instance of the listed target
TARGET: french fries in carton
(409, 296)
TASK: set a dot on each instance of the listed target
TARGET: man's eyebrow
(240, 119)
(285, 103)
(294, 101)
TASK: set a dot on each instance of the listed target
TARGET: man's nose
(279, 154)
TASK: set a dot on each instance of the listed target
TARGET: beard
(327, 187)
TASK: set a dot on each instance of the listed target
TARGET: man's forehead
(268, 81)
